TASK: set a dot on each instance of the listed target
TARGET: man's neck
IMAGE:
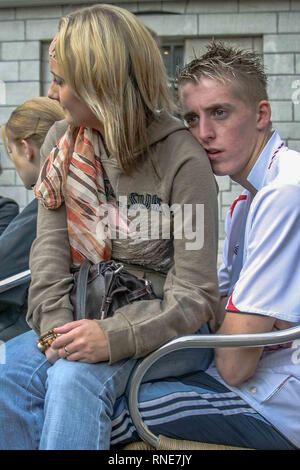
(256, 151)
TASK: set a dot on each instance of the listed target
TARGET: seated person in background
(248, 397)
(22, 136)
(9, 209)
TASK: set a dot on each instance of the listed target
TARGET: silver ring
(66, 351)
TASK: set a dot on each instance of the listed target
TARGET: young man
(249, 396)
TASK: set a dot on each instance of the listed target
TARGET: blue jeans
(68, 405)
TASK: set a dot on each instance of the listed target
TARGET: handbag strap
(108, 276)
(81, 294)
(81, 289)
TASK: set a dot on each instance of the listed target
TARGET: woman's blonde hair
(31, 121)
(112, 63)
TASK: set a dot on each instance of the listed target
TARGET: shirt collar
(257, 174)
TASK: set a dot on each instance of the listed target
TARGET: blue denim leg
(65, 406)
(22, 390)
(79, 403)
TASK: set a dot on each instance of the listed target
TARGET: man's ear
(263, 114)
(28, 148)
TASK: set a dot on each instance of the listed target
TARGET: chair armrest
(14, 281)
(196, 341)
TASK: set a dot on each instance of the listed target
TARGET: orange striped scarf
(73, 174)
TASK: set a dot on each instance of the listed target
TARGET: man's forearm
(235, 365)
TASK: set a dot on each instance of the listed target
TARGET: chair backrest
(196, 341)
(14, 281)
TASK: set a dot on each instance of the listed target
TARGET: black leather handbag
(100, 289)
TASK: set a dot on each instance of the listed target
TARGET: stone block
(217, 6)
(41, 29)
(288, 130)
(8, 177)
(4, 160)
(296, 91)
(12, 30)
(173, 7)
(281, 87)
(7, 14)
(221, 231)
(25, 50)
(148, 6)
(298, 64)
(237, 23)
(264, 5)
(282, 110)
(224, 211)
(18, 193)
(289, 22)
(294, 145)
(30, 70)
(279, 63)
(171, 25)
(223, 183)
(130, 6)
(18, 92)
(281, 43)
(5, 112)
(39, 12)
(47, 76)
(295, 5)
(9, 71)
(297, 112)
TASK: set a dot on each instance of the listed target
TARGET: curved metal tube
(196, 341)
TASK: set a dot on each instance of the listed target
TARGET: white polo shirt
(261, 274)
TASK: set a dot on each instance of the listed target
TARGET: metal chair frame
(184, 342)
(196, 341)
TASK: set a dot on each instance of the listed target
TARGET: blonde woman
(125, 151)
(22, 135)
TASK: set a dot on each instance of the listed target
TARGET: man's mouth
(213, 153)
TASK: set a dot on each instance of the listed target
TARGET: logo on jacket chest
(145, 200)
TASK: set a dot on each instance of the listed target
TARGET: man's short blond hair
(242, 68)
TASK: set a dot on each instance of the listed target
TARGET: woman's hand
(82, 341)
(51, 355)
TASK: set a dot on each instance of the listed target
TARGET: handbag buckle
(148, 286)
(119, 267)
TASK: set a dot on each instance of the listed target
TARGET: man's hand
(82, 341)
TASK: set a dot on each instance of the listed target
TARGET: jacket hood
(163, 126)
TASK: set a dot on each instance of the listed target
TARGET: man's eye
(220, 113)
(191, 121)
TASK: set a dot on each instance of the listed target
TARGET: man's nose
(53, 91)
(205, 131)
